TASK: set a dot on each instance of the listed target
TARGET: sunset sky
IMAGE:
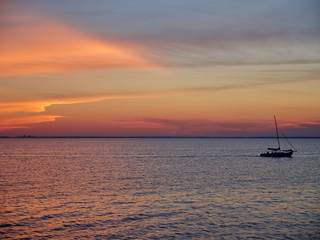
(159, 67)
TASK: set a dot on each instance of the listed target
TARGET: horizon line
(29, 136)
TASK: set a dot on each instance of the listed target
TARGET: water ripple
(157, 189)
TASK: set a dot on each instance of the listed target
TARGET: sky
(205, 68)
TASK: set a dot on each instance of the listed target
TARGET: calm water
(158, 189)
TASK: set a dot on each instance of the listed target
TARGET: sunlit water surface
(158, 189)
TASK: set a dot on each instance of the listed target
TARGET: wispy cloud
(11, 108)
(211, 128)
(23, 122)
(158, 34)
(41, 36)
(303, 124)
(210, 33)
(39, 104)
(33, 43)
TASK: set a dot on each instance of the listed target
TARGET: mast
(275, 121)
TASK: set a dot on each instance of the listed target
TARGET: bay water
(158, 188)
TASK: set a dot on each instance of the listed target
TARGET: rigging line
(288, 140)
(275, 121)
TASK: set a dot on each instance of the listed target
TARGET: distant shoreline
(31, 137)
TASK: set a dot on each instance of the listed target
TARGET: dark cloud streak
(202, 33)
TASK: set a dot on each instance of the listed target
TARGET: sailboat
(278, 152)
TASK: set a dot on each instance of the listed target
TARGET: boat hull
(277, 154)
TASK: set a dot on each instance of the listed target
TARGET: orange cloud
(22, 122)
(301, 124)
(39, 106)
(33, 44)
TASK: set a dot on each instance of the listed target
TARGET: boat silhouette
(278, 152)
